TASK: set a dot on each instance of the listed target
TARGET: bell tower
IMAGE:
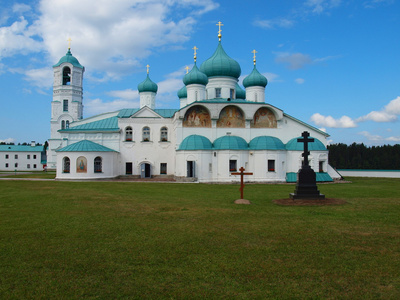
(66, 106)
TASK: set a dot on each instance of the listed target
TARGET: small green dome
(220, 64)
(294, 145)
(266, 143)
(195, 77)
(147, 86)
(182, 93)
(255, 79)
(229, 142)
(195, 142)
(240, 93)
(68, 58)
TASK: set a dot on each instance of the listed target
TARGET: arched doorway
(145, 170)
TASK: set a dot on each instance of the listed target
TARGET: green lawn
(125, 240)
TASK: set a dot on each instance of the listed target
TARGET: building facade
(218, 128)
(22, 158)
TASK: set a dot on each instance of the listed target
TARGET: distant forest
(358, 156)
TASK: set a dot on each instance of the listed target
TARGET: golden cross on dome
(147, 69)
(195, 53)
(187, 69)
(69, 43)
(254, 56)
(219, 24)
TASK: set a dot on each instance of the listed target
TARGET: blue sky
(331, 63)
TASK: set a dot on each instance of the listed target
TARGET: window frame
(233, 165)
(164, 134)
(271, 165)
(65, 105)
(128, 134)
(218, 92)
(66, 165)
(98, 164)
(163, 168)
(146, 134)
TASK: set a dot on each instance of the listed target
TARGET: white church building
(219, 128)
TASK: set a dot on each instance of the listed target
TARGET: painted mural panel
(81, 165)
(197, 116)
(231, 117)
(263, 118)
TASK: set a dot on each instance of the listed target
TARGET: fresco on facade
(197, 116)
(231, 116)
(263, 118)
(81, 165)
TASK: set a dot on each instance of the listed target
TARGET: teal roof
(68, 58)
(240, 93)
(20, 148)
(127, 112)
(320, 177)
(166, 112)
(109, 124)
(266, 143)
(163, 112)
(85, 146)
(147, 86)
(195, 142)
(220, 64)
(294, 145)
(255, 79)
(182, 93)
(195, 77)
(230, 142)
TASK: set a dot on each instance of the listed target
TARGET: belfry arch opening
(66, 76)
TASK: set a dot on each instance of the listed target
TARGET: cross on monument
(241, 173)
(305, 140)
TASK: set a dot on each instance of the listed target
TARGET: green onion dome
(255, 79)
(195, 77)
(182, 93)
(69, 58)
(240, 93)
(220, 64)
(147, 86)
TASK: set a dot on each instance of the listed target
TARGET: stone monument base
(306, 187)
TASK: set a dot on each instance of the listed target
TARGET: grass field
(124, 240)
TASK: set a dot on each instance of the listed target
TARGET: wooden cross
(241, 173)
(305, 140)
(219, 24)
(69, 43)
(187, 69)
(254, 56)
(195, 53)
(147, 69)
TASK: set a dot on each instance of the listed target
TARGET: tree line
(358, 156)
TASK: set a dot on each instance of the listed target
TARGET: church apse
(197, 116)
(263, 118)
(231, 117)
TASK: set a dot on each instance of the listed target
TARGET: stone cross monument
(306, 186)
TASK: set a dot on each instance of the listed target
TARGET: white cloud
(18, 38)
(375, 3)
(98, 106)
(8, 140)
(299, 80)
(328, 121)
(293, 61)
(389, 113)
(274, 23)
(20, 8)
(371, 137)
(319, 6)
(127, 94)
(111, 38)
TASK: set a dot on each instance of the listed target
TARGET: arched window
(128, 134)
(65, 105)
(164, 134)
(98, 165)
(67, 124)
(66, 165)
(62, 124)
(66, 76)
(146, 134)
